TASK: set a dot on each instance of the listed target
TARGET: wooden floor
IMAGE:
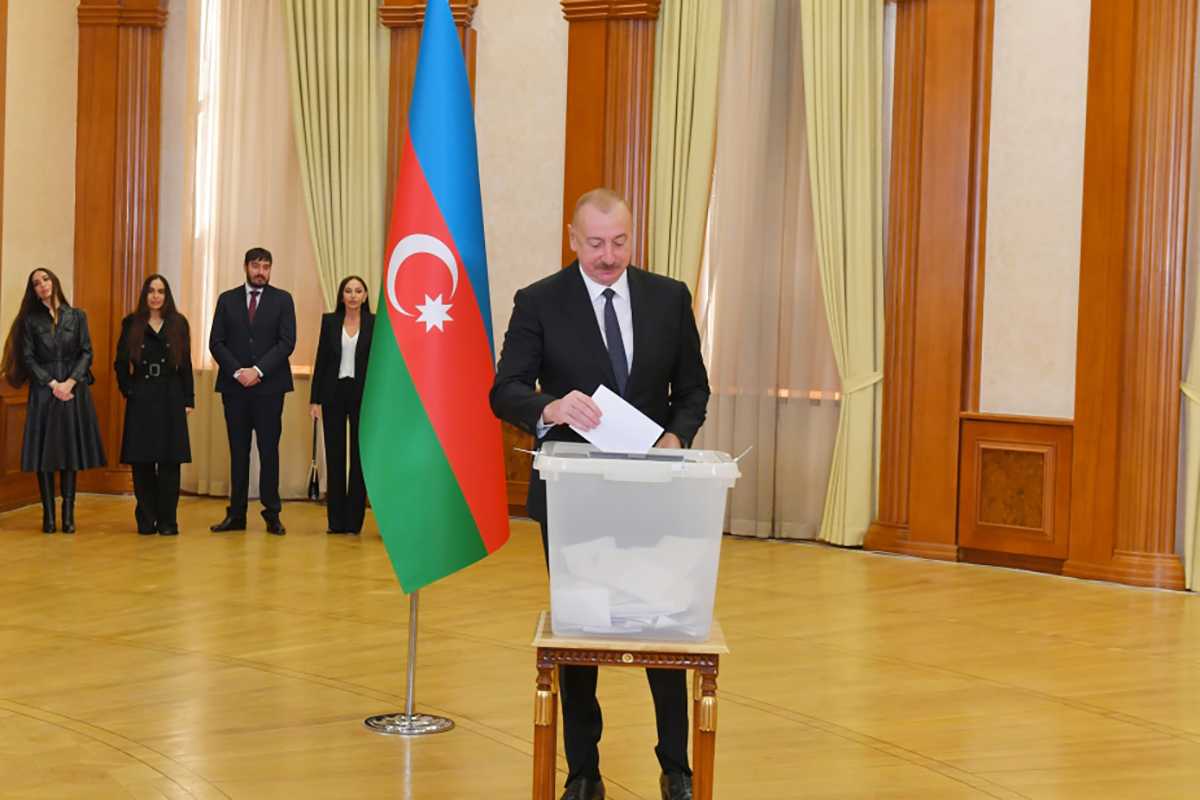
(242, 666)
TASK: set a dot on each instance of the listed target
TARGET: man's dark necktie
(616, 346)
(253, 305)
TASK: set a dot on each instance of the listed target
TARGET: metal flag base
(407, 723)
(401, 724)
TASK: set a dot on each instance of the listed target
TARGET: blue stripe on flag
(441, 125)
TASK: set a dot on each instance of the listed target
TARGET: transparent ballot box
(635, 540)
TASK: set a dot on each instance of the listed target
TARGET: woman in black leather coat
(154, 372)
(49, 348)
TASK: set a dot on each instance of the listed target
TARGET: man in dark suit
(253, 333)
(601, 322)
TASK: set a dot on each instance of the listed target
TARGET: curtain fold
(762, 320)
(336, 54)
(843, 74)
(687, 69)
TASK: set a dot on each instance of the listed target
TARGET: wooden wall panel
(1016, 488)
(116, 189)
(1124, 442)
(1136, 171)
(16, 488)
(934, 271)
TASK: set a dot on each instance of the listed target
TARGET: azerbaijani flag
(431, 450)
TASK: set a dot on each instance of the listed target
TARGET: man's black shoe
(675, 786)
(229, 524)
(584, 789)
(169, 530)
(275, 527)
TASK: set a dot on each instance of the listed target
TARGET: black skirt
(61, 435)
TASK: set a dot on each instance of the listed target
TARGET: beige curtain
(337, 61)
(766, 341)
(246, 191)
(843, 73)
(686, 67)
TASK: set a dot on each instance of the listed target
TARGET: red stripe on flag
(451, 365)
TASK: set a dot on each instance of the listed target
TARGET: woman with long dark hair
(336, 398)
(154, 372)
(49, 348)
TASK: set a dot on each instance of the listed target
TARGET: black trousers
(345, 498)
(583, 722)
(156, 488)
(261, 415)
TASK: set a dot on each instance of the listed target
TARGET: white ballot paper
(622, 428)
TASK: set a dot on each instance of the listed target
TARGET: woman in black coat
(337, 386)
(50, 348)
(154, 372)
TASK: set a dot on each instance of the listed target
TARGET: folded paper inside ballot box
(635, 540)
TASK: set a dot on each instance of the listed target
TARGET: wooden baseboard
(1154, 570)
(897, 539)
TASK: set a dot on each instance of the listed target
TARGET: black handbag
(314, 480)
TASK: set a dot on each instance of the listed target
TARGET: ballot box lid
(658, 465)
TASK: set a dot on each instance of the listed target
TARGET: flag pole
(409, 723)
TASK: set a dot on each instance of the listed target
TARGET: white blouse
(349, 345)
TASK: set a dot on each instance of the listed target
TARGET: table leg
(704, 732)
(545, 733)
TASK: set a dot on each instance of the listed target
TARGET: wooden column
(610, 92)
(934, 269)
(16, 488)
(1135, 210)
(404, 19)
(116, 188)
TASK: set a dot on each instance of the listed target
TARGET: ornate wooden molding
(138, 13)
(552, 656)
(977, 201)
(116, 188)
(1135, 207)
(610, 82)
(588, 10)
(900, 291)
(412, 14)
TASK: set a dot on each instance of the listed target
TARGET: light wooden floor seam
(241, 666)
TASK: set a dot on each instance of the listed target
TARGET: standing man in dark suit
(601, 322)
(253, 333)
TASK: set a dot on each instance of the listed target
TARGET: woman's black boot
(68, 505)
(46, 489)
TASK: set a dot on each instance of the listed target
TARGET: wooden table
(552, 651)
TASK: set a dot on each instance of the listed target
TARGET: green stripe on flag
(423, 516)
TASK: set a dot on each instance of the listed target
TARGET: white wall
(39, 147)
(520, 112)
(1034, 207)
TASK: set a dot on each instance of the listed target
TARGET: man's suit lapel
(583, 318)
(641, 327)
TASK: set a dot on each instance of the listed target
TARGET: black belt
(154, 372)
